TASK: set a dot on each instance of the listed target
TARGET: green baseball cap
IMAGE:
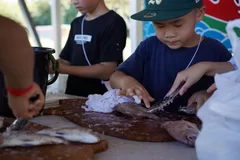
(160, 10)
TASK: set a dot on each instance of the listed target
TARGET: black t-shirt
(104, 39)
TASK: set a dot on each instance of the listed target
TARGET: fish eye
(188, 126)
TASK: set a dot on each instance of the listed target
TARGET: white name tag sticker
(82, 38)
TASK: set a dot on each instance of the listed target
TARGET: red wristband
(19, 92)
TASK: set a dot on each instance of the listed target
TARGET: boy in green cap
(150, 72)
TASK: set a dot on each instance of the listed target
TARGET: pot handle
(55, 67)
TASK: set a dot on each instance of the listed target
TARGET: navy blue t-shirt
(105, 39)
(156, 66)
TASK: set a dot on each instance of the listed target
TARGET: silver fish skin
(72, 134)
(182, 131)
(134, 110)
(26, 139)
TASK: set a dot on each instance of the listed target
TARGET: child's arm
(191, 75)
(130, 87)
(117, 79)
(99, 71)
(217, 67)
(64, 61)
(61, 63)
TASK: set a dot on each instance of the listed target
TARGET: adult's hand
(23, 107)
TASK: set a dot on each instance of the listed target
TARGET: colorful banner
(218, 13)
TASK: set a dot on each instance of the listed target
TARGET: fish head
(191, 132)
(191, 138)
(182, 131)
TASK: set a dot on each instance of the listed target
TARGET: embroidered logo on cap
(158, 2)
(150, 15)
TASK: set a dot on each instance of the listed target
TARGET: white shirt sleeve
(233, 62)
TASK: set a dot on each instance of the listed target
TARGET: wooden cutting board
(73, 151)
(116, 124)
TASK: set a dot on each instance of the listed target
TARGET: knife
(18, 124)
(166, 101)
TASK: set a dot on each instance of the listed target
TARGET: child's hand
(131, 87)
(199, 98)
(53, 67)
(212, 88)
(189, 77)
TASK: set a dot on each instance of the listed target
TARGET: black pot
(42, 58)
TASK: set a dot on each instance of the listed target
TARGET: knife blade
(161, 105)
(166, 101)
(18, 124)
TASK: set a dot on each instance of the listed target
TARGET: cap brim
(156, 15)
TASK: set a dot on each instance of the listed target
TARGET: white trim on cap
(158, 2)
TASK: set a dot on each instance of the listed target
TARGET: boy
(16, 63)
(150, 72)
(93, 49)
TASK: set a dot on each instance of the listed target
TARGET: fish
(27, 139)
(72, 134)
(134, 110)
(183, 131)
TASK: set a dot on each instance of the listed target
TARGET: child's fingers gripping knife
(180, 78)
